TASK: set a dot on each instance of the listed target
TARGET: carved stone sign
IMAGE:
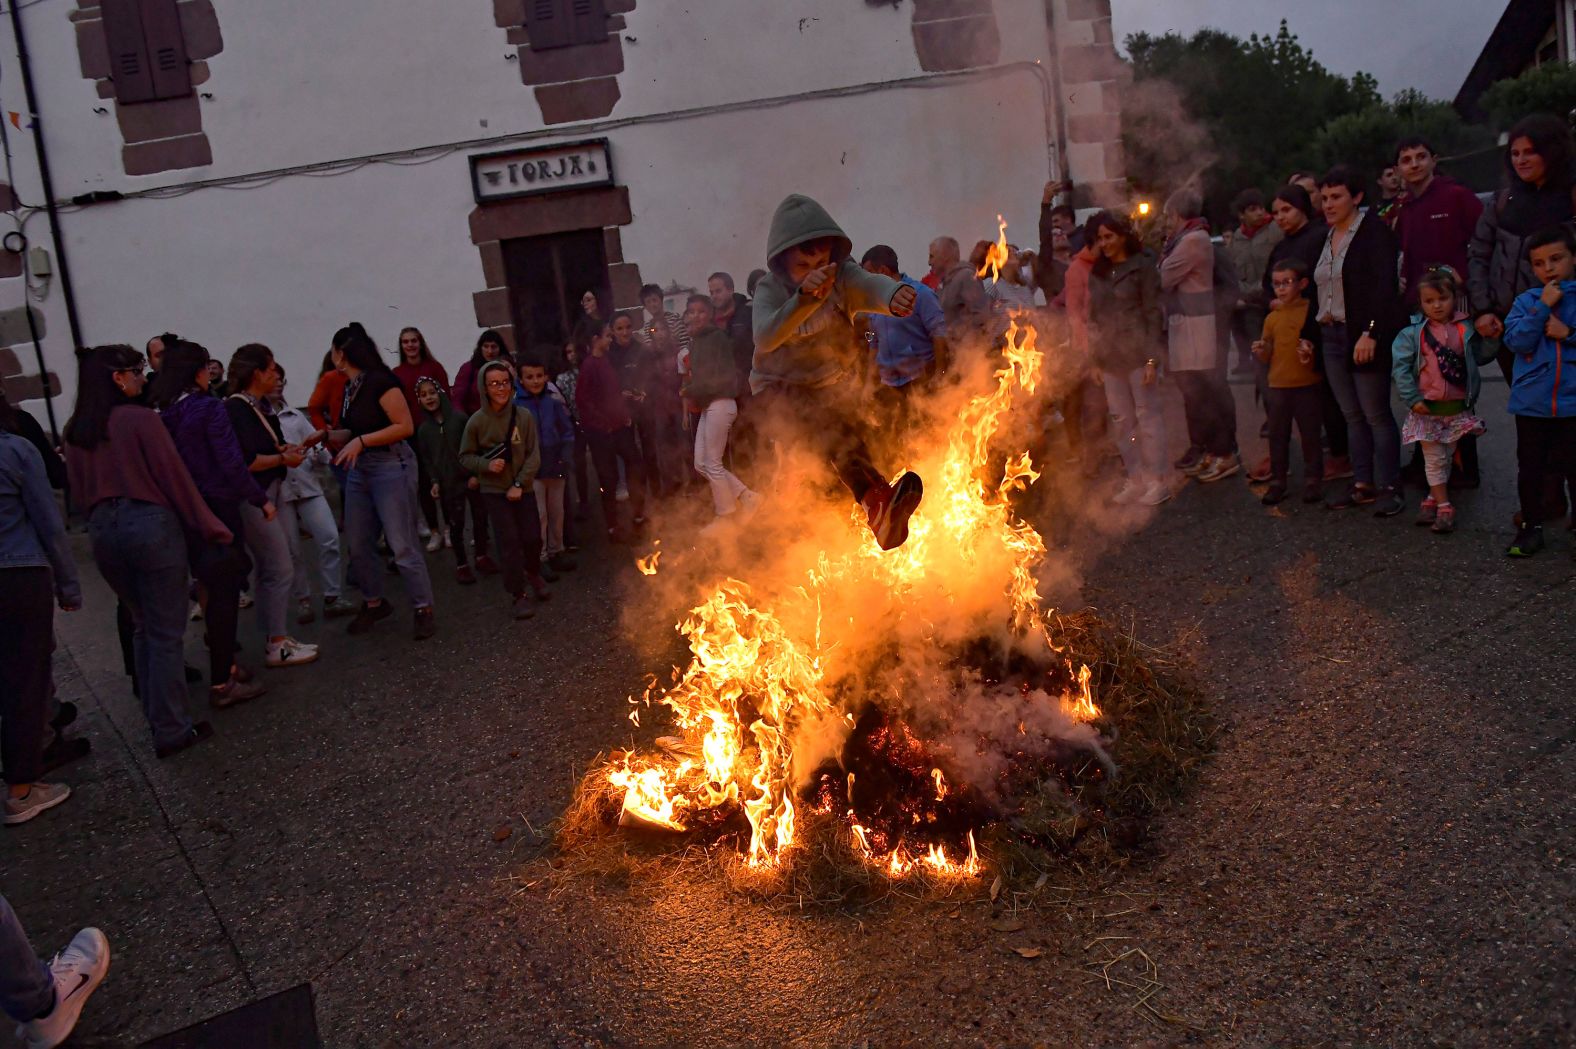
(524, 172)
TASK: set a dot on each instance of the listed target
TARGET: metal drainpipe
(47, 179)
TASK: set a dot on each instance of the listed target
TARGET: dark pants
(518, 530)
(124, 631)
(606, 451)
(222, 570)
(1545, 460)
(646, 438)
(1334, 419)
(454, 507)
(141, 553)
(424, 499)
(1305, 406)
(1211, 412)
(827, 422)
(578, 459)
(26, 637)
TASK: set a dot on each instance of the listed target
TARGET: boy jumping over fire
(805, 348)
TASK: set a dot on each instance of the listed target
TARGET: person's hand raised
(818, 283)
(903, 301)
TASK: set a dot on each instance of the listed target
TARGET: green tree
(1231, 113)
(1549, 88)
(1237, 113)
(1367, 138)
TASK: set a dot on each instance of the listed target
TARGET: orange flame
(757, 686)
(648, 565)
(997, 256)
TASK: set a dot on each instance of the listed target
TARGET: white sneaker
(41, 798)
(434, 542)
(194, 613)
(1157, 493)
(448, 539)
(77, 971)
(422, 531)
(290, 653)
(719, 525)
(623, 492)
(1127, 494)
(749, 502)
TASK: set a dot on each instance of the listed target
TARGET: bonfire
(914, 712)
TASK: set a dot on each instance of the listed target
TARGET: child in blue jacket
(1435, 364)
(555, 432)
(1543, 384)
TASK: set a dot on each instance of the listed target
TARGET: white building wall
(309, 82)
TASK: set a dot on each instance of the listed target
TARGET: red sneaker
(888, 508)
(486, 565)
(1261, 472)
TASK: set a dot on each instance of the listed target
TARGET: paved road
(1380, 853)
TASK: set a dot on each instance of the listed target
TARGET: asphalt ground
(1380, 852)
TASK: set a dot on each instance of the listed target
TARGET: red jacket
(599, 397)
(328, 399)
(1435, 229)
(407, 374)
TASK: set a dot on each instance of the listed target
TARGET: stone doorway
(547, 276)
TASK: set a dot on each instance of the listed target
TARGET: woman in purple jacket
(206, 441)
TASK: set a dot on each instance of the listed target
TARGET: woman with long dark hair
(1360, 312)
(206, 443)
(36, 572)
(252, 379)
(380, 490)
(416, 362)
(1125, 324)
(1539, 193)
(140, 499)
(463, 395)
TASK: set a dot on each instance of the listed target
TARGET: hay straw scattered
(1160, 728)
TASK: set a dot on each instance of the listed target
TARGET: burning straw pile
(851, 719)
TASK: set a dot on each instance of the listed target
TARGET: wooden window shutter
(565, 23)
(548, 25)
(589, 19)
(128, 53)
(166, 43)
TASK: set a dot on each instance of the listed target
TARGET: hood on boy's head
(481, 385)
(799, 219)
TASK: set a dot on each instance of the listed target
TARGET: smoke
(912, 630)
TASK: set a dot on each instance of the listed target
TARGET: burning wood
(915, 698)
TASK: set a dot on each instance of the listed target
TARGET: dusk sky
(1405, 43)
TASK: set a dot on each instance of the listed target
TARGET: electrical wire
(419, 155)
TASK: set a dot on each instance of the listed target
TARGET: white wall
(309, 81)
(287, 263)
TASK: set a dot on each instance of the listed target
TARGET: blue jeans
(270, 549)
(27, 990)
(1138, 425)
(141, 553)
(318, 518)
(1364, 397)
(380, 496)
